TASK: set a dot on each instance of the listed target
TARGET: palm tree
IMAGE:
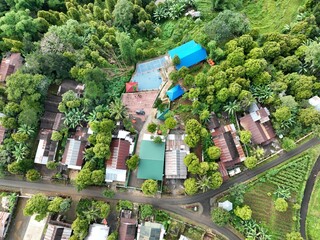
(20, 152)
(232, 108)
(24, 128)
(92, 213)
(205, 183)
(262, 93)
(118, 110)
(74, 117)
(92, 116)
(5, 157)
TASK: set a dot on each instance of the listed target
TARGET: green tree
(26, 129)
(54, 205)
(33, 175)
(146, 211)
(288, 144)
(152, 127)
(245, 136)
(216, 180)
(220, 216)
(244, 212)
(126, 47)
(189, 158)
(37, 204)
(83, 179)
(193, 130)
(251, 162)
(282, 114)
(309, 116)
(281, 205)
(125, 205)
(56, 136)
(133, 162)
(214, 152)
(123, 14)
(190, 186)
(176, 60)
(227, 25)
(19, 137)
(149, 187)
(294, 236)
(80, 228)
(97, 177)
(170, 123)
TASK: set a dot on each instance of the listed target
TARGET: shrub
(176, 60)
(152, 127)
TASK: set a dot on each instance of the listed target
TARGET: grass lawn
(271, 15)
(313, 217)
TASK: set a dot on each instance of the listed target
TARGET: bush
(157, 140)
(176, 60)
(51, 165)
(281, 205)
(108, 193)
(133, 162)
(33, 175)
(152, 127)
(149, 187)
(220, 216)
(56, 136)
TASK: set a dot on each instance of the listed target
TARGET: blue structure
(175, 92)
(189, 53)
(160, 115)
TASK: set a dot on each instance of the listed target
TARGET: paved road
(306, 197)
(167, 203)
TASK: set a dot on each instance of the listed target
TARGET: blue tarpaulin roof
(189, 53)
(175, 92)
(160, 115)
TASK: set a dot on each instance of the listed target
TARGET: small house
(190, 53)
(128, 226)
(259, 124)
(151, 231)
(116, 169)
(175, 92)
(4, 224)
(47, 148)
(176, 150)
(9, 65)
(56, 232)
(151, 164)
(98, 232)
(73, 154)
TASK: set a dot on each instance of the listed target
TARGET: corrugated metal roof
(175, 167)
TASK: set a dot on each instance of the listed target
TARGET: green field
(313, 217)
(272, 15)
(259, 196)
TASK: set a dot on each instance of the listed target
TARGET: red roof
(223, 171)
(131, 87)
(2, 134)
(119, 153)
(258, 123)
(9, 65)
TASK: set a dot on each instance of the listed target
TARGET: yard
(313, 217)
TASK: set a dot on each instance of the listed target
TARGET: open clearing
(271, 15)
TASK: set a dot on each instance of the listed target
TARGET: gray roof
(150, 231)
(175, 167)
(73, 152)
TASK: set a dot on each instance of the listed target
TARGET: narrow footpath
(306, 197)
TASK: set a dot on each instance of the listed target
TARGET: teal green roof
(160, 115)
(151, 160)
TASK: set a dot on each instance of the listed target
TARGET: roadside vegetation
(313, 222)
(274, 199)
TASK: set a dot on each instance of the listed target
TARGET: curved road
(167, 203)
(306, 197)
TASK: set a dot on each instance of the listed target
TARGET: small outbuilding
(189, 53)
(131, 87)
(226, 205)
(175, 92)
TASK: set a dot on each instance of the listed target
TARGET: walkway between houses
(306, 197)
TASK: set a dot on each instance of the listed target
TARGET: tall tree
(123, 14)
